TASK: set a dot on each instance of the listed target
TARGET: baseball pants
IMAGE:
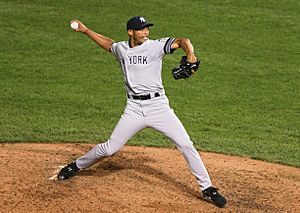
(157, 114)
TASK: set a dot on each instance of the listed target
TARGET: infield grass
(59, 86)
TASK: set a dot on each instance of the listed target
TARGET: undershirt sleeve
(168, 44)
(163, 46)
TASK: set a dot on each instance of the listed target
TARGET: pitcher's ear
(130, 32)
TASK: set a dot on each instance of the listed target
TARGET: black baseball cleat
(213, 194)
(68, 171)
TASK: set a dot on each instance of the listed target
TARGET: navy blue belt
(143, 97)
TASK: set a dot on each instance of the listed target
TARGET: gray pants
(157, 114)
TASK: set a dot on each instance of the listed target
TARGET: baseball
(74, 25)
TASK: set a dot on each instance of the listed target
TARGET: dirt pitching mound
(139, 179)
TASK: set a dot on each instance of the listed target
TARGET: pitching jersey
(142, 65)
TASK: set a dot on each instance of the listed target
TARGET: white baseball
(74, 25)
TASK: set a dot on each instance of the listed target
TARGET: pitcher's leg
(169, 124)
(127, 126)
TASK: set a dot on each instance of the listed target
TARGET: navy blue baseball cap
(137, 23)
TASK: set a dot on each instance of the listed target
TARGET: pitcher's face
(139, 36)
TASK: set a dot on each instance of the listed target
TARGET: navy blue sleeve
(168, 44)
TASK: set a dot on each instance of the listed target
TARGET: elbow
(184, 41)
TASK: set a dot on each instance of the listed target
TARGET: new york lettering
(137, 59)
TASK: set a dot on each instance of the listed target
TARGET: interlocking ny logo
(142, 19)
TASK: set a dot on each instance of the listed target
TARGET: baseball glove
(185, 69)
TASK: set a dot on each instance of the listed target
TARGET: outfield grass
(58, 86)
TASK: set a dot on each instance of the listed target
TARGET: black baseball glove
(185, 69)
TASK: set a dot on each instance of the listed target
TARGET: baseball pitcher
(140, 60)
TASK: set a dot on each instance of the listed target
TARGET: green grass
(59, 86)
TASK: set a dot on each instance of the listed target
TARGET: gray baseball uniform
(147, 106)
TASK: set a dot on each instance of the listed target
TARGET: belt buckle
(145, 97)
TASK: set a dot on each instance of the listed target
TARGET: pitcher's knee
(108, 148)
(187, 145)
